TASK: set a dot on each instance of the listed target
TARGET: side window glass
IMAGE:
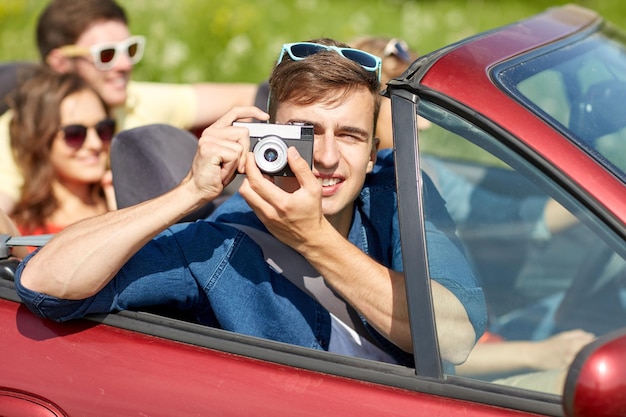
(553, 277)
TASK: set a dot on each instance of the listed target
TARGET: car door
(547, 263)
(141, 363)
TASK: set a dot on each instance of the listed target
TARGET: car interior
(537, 282)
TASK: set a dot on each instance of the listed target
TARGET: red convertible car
(528, 148)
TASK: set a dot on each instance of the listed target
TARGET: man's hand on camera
(222, 152)
(292, 213)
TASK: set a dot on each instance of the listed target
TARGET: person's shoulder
(384, 172)
(155, 92)
(384, 161)
(235, 210)
(6, 117)
(149, 86)
(5, 121)
(153, 102)
(383, 176)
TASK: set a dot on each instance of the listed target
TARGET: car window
(580, 88)
(554, 276)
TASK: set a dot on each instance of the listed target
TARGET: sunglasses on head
(300, 50)
(75, 135)
(106, 55)
(398, 48)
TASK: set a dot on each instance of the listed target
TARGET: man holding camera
(342, 220)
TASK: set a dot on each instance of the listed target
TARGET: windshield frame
(511, 75)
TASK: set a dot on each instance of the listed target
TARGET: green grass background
(238, 40)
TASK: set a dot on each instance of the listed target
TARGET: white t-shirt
(346, 341)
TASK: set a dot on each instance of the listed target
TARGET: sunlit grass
(235, 40)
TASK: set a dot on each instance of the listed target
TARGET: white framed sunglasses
(105, 55)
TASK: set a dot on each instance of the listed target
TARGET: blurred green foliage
(238, 40)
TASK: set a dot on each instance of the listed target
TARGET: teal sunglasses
(300, 50)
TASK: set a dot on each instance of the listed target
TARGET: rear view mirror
(596, 381)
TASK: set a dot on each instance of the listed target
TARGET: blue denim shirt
(217, 272)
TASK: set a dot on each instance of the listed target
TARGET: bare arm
(85, 256)
(8, 227)
(215, 99)
(557, 217)
(6, 203)
(377, 292)
(556, 352)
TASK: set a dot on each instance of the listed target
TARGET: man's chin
(329, 208)
(115, 100)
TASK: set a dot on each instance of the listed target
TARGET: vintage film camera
(269, 143)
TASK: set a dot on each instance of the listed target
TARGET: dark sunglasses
(300, 50)
(75, 135)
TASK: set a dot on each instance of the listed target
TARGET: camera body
(269, 143)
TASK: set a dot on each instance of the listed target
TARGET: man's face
(343, 151)
(111, 84)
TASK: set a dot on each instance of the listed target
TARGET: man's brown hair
(323, 77)
(62, 22)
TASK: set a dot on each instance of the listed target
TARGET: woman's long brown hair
(36, 119)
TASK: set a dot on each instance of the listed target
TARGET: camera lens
(270, 155)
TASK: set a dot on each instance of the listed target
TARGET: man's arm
(214, 99)
(84, 257)
(10, 175)
(556, 352)
(379, 295)
(377, 292)
(6, 203)
(79, 261)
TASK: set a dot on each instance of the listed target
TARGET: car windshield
(580, 88)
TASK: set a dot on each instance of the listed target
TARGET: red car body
(452, 73)
(88, 368)
(142, 364)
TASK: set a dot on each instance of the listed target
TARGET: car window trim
(413, 236)
(238, 344)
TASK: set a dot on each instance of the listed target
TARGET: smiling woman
(60, 133)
